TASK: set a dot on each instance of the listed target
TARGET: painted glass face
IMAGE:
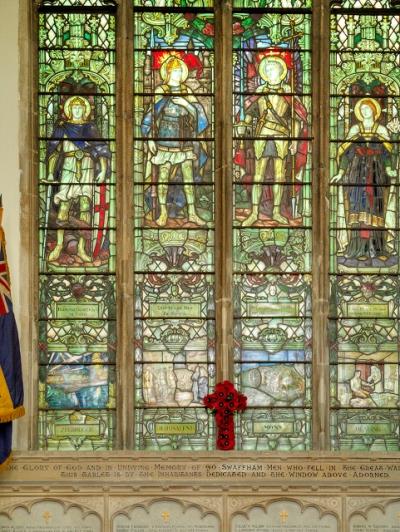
(364, 227)
(77, 111)
(77, 226)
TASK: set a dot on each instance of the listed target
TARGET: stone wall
(137, 492)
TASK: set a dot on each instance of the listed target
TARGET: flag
(11, 388)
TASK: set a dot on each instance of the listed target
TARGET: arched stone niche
(165, 515)
(379, 516)
(284, 515)
(49, 514)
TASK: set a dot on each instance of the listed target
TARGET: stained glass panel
(200, 62)
(364, 222)
(172, 429)
(258, 296)
(272, 222)
(275, 429)
(77, 297)
(355, 296)
(76, 430)
(75, 386)
(168, 340)
(173, 162)
(273, 340)
(375, 4)
(365, 430)
(285, 4)
(79, 3)
(272, 385)
(277, 250)
(173, 3)
(77, 341)
(74, 173)
(365, 385)
(77, 225)
(203, 171)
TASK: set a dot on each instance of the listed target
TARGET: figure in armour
(280, 115)
(172, 123)
(76, 162)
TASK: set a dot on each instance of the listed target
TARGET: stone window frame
(26, 428)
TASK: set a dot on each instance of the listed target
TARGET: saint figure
(278, 115)
(77, 163)
(366, 205)
(173, 122)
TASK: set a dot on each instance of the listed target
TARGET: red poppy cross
(224, 402)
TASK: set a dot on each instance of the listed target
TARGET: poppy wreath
(224, 402)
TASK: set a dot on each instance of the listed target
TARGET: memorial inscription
(233, 470)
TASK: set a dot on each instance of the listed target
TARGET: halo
(164, 72)
(368, 101)
(85, 102)
(272, 59)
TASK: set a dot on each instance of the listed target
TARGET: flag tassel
(15, 414)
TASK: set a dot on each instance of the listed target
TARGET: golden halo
(372, 103)
(164, 68)
(80, 99)
(272, 59)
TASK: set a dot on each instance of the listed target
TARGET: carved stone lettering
(232, 469)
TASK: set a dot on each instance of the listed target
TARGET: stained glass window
(216, 296)
(77, 225)
(364, 226)
(272, 223)
(173, 173)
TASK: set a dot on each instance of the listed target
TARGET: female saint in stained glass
(367, 204)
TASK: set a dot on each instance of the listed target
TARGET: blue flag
(11, 388)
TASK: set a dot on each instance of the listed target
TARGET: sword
(291, 39)
(46, 223)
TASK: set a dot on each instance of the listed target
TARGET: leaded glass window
(184, 148)
(173, 174)
(364, 226)
(77, 225)
(272, 258)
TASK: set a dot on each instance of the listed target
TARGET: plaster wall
(9, 144)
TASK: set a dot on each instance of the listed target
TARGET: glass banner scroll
(173, 161)
(272, 223)
(77, 224)
(364, 226)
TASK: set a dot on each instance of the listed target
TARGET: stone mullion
(26, 428)
(223, 189)
(320, 204)
(125, 244)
